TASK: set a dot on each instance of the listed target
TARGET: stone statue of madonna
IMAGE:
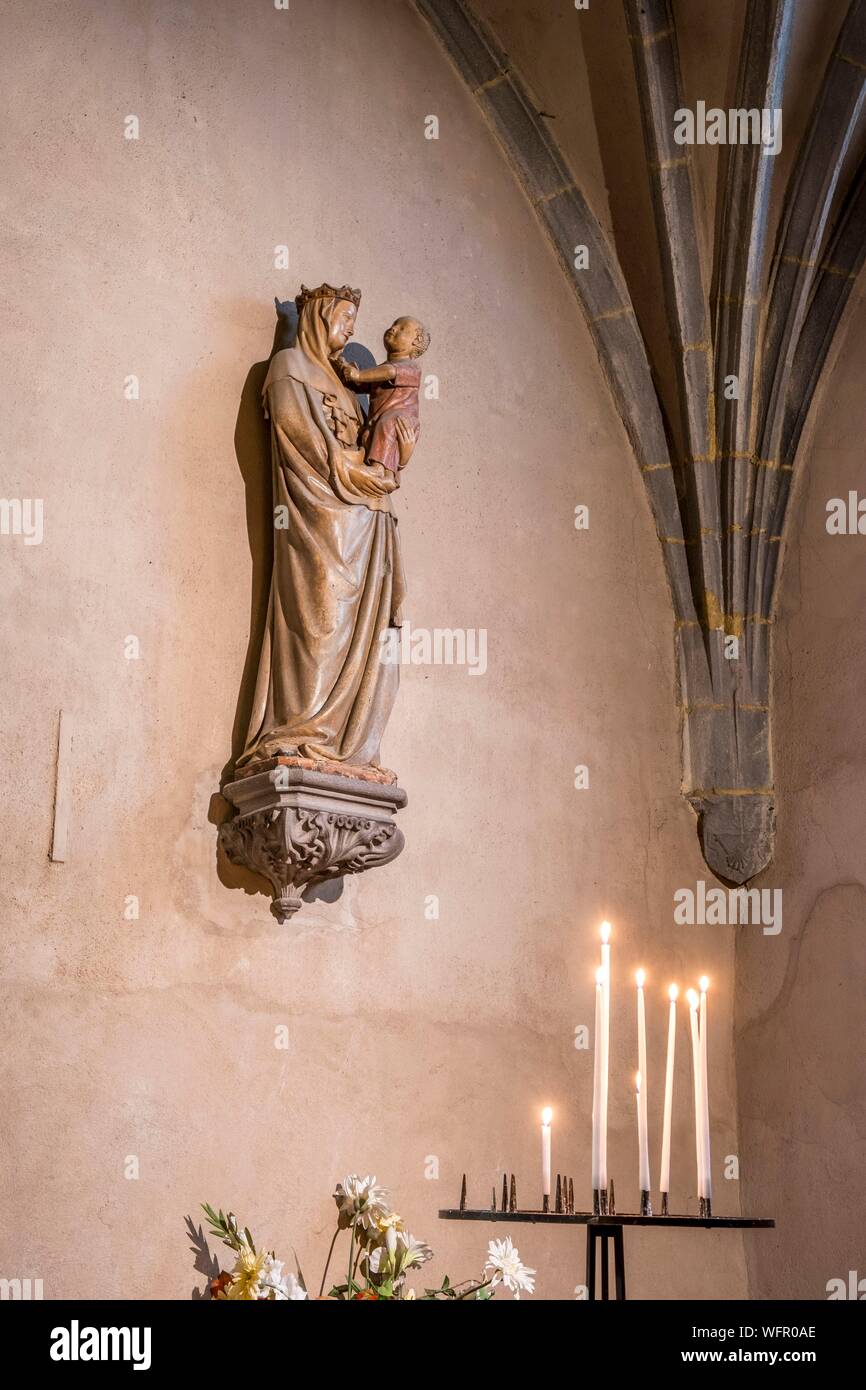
(323, 691)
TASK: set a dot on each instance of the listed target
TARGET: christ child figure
(393, 424)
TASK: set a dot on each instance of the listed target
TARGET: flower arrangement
(381, 1255)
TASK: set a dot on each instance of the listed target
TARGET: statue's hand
(405, 440)
(348, 371)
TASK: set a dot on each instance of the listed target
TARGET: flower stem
(328, 1260)
(351, 1261)
(475, 1288)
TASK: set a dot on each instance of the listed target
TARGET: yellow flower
(247, 1274)
(388, 1221)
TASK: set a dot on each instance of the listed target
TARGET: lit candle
(669, 1091)
(696, 1073)
(596, 1079)
(642, 1146)
(605, 1053)
(546, 1117)
(640, 978)
(704, 985)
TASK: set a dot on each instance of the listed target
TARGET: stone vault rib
(721, 528)
(569, 222)
(802, 234)
(841, 264)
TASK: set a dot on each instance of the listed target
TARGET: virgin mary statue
(323, 690)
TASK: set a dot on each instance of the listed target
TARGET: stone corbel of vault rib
(726, 716)
(803, 311)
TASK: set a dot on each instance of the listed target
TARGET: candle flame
(637, 1082)
(692, 998)
(599, 975)
(673, 993)
(704, 984)
(605, 932)
(640, 976)
(546, 1115)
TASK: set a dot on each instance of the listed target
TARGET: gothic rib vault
(717, 471)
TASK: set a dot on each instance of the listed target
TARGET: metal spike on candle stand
(512, 1201)
(571, 1196)
(493, 1201)
(596, 1202)
(463, 1194)
(646, 1206)
(545, 1202)
(504, 1192)
(558, 1207)
(665, 1211)
(611, 1201)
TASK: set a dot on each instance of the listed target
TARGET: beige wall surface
(409, 1038)
(799, 1018)
(799, 1031)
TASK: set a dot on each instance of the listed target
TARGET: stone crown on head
(328, 292)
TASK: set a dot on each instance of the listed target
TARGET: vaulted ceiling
(713, 278)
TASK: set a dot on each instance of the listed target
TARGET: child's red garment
(388, 404)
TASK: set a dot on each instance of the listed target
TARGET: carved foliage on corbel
(293, 847)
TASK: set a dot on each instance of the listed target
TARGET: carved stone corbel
(297, 827)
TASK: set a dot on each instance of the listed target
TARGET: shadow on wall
(205, 1263)
(802, 1102)
(253, 452)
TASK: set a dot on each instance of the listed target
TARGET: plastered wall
(411, 1038)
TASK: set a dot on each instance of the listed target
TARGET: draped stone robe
(322, 689)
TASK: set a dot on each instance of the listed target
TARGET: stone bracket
(296, 828)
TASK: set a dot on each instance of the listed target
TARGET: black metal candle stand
(605, 1229)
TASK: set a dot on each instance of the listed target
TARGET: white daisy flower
(281, 1286)
(417, 1253)
(291, 1289)
(503, 1261)
(361, 1200)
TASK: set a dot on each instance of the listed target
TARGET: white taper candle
(546, 1117)
(665, 1179)
(596, 1079)
(642, 1144)
(705, 1092)
(640, 978)
(605, 1053)
(696, 1074)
